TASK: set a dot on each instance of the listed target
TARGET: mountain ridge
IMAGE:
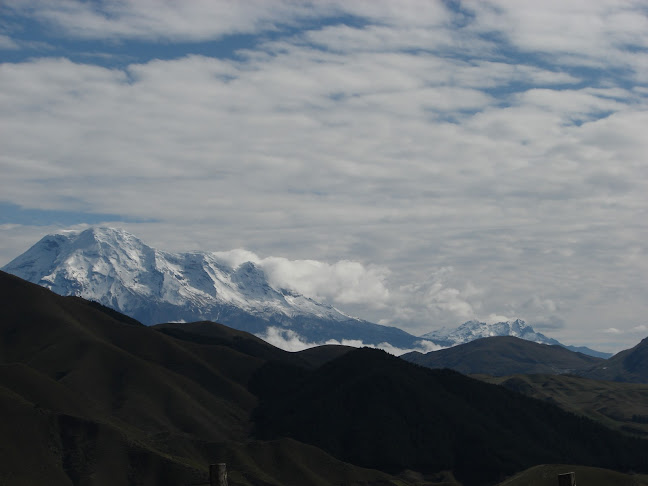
(116, 269)
(630, 365)
(474, 329)
(505, 355)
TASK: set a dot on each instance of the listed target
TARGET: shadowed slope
(546, 475)
(320, 355)
(621, 406)
(96, 397)
(630, 366)
(104, 400)
(378, 411)
(129, 371)
(505, 355)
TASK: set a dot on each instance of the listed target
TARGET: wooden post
(567, 479)
(218, 474)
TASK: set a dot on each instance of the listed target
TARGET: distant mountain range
(473, 330)
(508, 355)
(505, 355)
(116, 269)
(93, 397)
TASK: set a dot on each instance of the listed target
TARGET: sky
(414, 163)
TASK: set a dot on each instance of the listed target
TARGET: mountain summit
(471, 330)
(116, 269)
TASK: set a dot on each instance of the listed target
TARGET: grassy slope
(621, 406)
(505, 355)
(546, 475)
(629, 366)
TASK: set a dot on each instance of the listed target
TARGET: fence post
(567, 479)
(218, 474)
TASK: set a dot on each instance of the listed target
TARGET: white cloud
(342, 282)
(410, 144)
(613, 330)
(162, 20)
(285, 339)
(235, 258)
(495, 318)
(7, 43)
(289, 340)
(586, 32)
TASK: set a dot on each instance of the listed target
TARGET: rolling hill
(505, 355)
(97, 398)
(545, 475)
(378, 411)
(103, 400)
(620, 406)
(629, 366)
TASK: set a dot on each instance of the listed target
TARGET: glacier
(118, 270)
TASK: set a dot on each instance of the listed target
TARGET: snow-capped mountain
(472, 330)
(115, 268)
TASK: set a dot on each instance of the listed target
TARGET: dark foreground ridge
(95, 398)
(375, 410)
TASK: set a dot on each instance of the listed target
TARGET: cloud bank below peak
(289, 340)
(342, 282)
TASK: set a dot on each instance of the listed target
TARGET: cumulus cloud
(640, 329)
(365, 154)
(342, 282)
(612, 330)
(495, 318)
(576, 32)
(289, 340)
(435, 295)
(7, 42)
(548, 323)
(162, 20)
(543, 313)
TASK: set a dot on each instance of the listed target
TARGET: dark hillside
(323, 354)
(214, 334)
(378, 411)
(629, 366)
(620, 406)
(505, 355)
(90, 397)
(94, 398)
(546, 475)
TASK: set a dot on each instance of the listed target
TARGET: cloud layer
(289, 340)
(416, 166)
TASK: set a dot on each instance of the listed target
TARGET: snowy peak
(117, 269)
(471, 330)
